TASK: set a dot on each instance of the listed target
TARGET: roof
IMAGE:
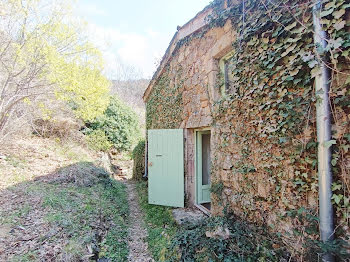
(192, 26)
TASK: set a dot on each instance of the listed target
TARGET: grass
(13, 217)
(160, 224)
(16, 162)
(70, 151)
(91, 217)
(17, 177)
(29, 256)
(83, 211)
(114, 246)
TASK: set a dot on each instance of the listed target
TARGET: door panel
(166, 167)
(203, 167)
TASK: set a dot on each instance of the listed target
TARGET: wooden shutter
(166, 167)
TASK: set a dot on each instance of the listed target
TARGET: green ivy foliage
(337, 26)
(194, 244)
(138, 155)
(270, 104)
(164, 108)
(267, 117)
(249, 242)
(119, 123)
(270, 101)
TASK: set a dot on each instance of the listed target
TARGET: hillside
(131, 92)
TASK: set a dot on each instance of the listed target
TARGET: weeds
(70, 151)
(28, 257)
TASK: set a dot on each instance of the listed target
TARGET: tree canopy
(120, 124)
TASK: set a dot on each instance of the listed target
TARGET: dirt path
(138, 247)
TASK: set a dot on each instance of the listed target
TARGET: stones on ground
(219, 233)
(104, 161)
(184, 216)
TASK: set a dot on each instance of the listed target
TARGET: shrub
(138, 154)
(119, 123)
(60, 127)
(97, 140)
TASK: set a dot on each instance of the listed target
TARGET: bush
(97, 140)
(59, 127)
(138, 154)
(119, 123)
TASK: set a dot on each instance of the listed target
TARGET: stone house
(215, 139)
(195, 68)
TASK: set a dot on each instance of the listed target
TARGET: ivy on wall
(266, 121)
(138, 155)
(164, 107)
(270, 105)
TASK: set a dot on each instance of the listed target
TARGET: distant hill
(131, 92)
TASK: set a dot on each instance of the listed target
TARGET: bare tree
(41, 54)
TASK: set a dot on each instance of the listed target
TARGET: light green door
(203, 166)
(166, 167)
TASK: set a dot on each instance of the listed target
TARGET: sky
(134, 34)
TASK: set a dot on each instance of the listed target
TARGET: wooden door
(166, 167)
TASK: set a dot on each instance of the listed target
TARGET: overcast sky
(135, 32)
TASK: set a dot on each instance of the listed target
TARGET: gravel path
(138, 247)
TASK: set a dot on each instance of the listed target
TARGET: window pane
(226, 77)
(206, 159)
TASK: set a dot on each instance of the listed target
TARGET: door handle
(158, 155)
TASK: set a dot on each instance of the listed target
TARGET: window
(225, 71)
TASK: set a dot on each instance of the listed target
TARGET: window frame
(223, 64)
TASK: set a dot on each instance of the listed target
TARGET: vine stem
(243, 24)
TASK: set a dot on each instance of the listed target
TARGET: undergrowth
(229, 238)
(244, 242)
(119, 124)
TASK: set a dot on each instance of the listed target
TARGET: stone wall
(190, 76)
(190, 185)
(183, 95)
